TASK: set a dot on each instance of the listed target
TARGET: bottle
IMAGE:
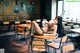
(72, 20)
(76, 20)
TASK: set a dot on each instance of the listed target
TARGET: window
(60, 8)
(71, 10)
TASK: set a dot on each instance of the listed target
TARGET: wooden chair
(37, 44)
(22, 31)
(57, 45)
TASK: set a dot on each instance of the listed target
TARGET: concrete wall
(53, 12)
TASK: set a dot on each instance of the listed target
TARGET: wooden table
(76, 39)
(25, 28)
(72, 22)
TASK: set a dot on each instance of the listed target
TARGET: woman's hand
(50, 26)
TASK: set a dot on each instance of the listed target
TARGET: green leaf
(72, 0)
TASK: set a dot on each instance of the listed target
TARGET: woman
(56, 26)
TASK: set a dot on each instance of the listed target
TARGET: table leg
(46, 46)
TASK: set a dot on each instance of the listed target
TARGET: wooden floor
(11, 46)
(8, 43)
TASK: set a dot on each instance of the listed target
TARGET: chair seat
(54, 44)
(68, 47)
(54, 40)
(38, 43)
(39, 48)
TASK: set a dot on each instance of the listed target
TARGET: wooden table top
(45, 36)
(24, 25)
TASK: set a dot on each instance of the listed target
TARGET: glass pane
(72, 11)
(60, 8)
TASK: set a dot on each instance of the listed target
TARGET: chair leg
(46, 46)
(28, 48)
(31, 48)
(54, 50)
(48, 50)
(31, 44)
(61, 50)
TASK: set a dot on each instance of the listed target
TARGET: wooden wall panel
(1, 8)
(1, 19)
(37, 6)
(8, 9)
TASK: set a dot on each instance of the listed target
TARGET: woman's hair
(59, 25)
(58, 17)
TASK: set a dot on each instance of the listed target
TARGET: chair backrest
(67, 47)
(64, 39)
(36, 28)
